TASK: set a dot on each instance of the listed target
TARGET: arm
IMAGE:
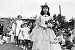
(22, 34)
(28, 30)
(38, 20)
(19, 32)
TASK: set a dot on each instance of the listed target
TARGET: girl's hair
(19, 16)
(42, 12)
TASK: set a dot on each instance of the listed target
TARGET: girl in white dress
(18, 27)
(43, 35)
(24, 34)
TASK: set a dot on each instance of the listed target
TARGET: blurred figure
(13, 30)
(1, 29)
(30, 27)
(24, 35)
(18, 27)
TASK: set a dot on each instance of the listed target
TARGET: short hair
(19, 16)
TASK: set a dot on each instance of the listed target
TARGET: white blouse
(42, 19)
(19, 22)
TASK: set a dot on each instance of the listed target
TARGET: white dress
(42, 37)
(24, 33)
(18, 28)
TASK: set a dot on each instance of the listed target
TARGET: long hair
(42, 12)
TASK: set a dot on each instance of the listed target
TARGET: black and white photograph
(37, 24)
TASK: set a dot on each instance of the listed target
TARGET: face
(25, 25)
(20, 17)
(45, 9)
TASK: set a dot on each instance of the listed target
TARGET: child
(20, 39)
(25, 31)
(18, 28)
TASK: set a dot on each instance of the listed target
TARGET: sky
(29, 8)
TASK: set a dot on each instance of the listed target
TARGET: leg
(16, 40)
(17, 32)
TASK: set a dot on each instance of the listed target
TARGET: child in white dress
(24, 34)
(18, 28)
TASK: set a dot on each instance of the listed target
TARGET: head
(45, 10)
(19, 17)
(25, 24)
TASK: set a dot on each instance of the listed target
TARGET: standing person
(24, 33)
(20, 37)
(73, 39)
(43, 35)
(1, 33)
(12, 32)
(18, 27)
(1, 29)
(30, 26)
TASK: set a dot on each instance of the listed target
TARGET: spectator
(18, 27)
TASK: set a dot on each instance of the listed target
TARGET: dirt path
(9, 47)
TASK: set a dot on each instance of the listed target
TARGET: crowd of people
(49, 33)
(18, 32)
